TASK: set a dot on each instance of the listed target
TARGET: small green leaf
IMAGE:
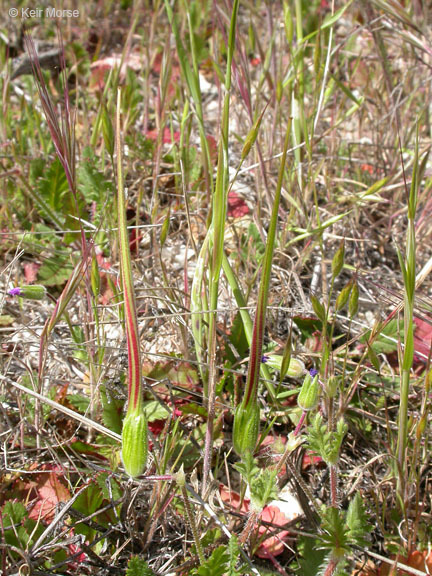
(112, 414)
(155, 411)
(138, 567)
(263, 489)
(373, 358)
(13, 513)
(311, 557)
(79, 402)
(215, 565)
(286, 357)
(357, 522)
(234, 554)
(326, 443)
(93, 183)
(248, 468)
(384, 340)
(318, 308)
(55, 270)
(334, 531)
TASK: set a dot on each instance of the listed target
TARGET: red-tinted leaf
(30, 271)
(422, 340)
(49, 491)
(367, 168)
(232, 499)
(174, 77)
(310, 459)
(237, 207)
(275, 544)
(277, 513)
(102, 67)
(81, 557)
(167, 138)
(419, 560)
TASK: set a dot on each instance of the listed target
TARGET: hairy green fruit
(308, 395)
(134, 443)
(30, 292)
(246, 428)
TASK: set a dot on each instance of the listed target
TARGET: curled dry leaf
(48, 490)
(237, 207)
(278, 513)
(422, 340)
(100, 68)
(30, 271)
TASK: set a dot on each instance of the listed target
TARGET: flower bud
(180, 477)
(331, 386)
(246, 428)
(134, 442)
(30, 292)
(308, 395)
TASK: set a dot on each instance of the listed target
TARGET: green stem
(132, 335)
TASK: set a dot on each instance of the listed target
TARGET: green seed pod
(134, 442)
(338, 260)
(252, 136)
(343, 296)
(289, 24)
(246, 428)
(107, 131)
(95, 277)
(308, 395)
(164, 230)
(30, 292)
(353, 301)
(279, 91)
(318, 308)
(317, 55)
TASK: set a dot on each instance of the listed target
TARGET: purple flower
(313, 372)
(29, 291)
(265, 358)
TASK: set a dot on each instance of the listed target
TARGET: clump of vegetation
(215, 310)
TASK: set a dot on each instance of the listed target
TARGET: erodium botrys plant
(134, 433)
